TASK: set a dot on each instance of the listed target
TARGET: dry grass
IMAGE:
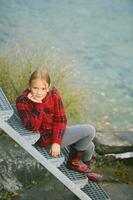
(15, 71)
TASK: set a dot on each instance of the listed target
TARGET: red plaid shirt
(48, 118)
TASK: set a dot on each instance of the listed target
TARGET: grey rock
(17, 168)
(118, 191)
(118, 142)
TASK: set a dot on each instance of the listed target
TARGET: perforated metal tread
(6, 110)
(95, 191)
(57, 161)
(32, 137)
(16, 123)
(78, 178)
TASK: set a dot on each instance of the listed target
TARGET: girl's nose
(39, 91)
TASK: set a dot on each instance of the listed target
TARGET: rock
(118, 142)
(116, 191)
(51, 189)
(18, 169)
(119, 191)
(1, 186)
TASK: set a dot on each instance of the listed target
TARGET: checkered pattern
(48, 117)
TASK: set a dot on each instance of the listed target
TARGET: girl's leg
(79, 136)
(88, 153)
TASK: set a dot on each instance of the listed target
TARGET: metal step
(75, 181)
(17, 124)
(95, 191)
(78, 178)
(57, 161)
(31, 137)
(6, 110)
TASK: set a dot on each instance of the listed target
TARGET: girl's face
(38, 88)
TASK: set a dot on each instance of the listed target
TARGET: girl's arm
(60, 119)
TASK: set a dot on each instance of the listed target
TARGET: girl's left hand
(55, 150)
(30, 96)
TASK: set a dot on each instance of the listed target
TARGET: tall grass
(15, 71)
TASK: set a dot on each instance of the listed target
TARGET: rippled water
(99, 33)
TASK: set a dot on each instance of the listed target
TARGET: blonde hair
(40, 73)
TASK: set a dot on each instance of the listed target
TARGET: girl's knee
(92, 131)
(92, 146)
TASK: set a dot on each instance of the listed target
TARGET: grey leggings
(80, 137)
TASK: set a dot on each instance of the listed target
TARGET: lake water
(97, 33)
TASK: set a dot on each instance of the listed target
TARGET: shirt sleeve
(60, 119)
(31, 113)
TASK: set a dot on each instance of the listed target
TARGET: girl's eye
(41, 89)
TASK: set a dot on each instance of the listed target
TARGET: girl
(41, 109)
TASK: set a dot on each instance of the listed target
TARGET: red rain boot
(74, 161)
(88, 163)
(94, 177)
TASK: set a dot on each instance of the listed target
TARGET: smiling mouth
(39, 96)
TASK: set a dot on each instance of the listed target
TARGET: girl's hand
(33, 99)
(55, 150)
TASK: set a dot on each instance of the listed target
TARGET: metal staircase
(77, 182)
